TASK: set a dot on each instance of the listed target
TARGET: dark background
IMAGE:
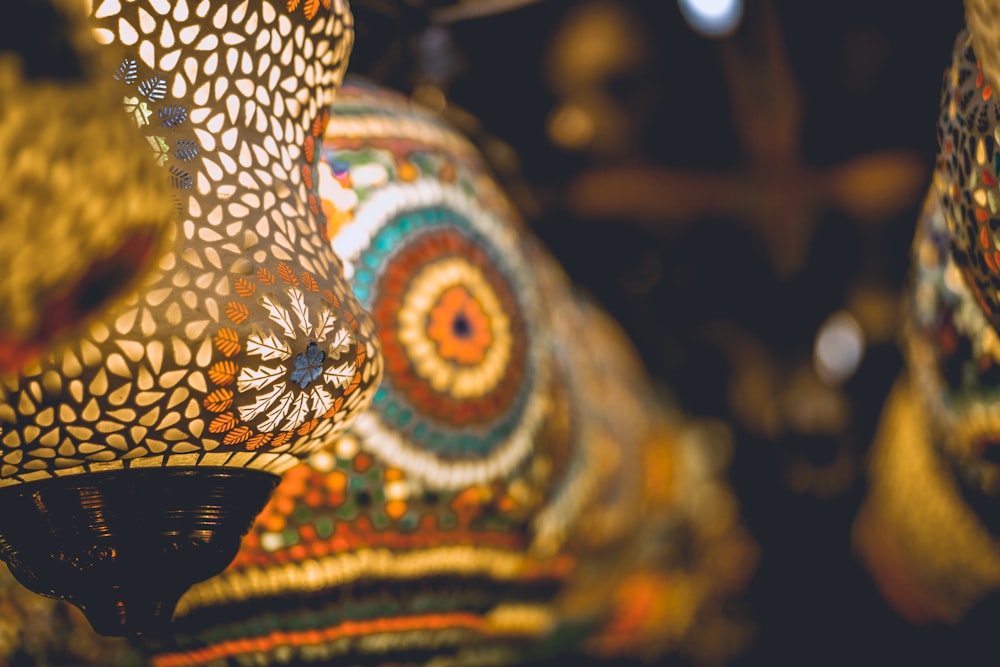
(724, 305)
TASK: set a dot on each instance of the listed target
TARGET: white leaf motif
(258, 378)
(340, 343)
(263, 402)
(299, 412)
(268, 347)
(340, 375)
(278, 413)
(279, 315)
(327, 320)
(301, 310)
(322, 401)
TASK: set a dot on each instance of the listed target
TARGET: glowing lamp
(136, 454)
(712, 18)
(512, 471)
(82, 209)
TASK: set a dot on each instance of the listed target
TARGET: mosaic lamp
(494, 504)
(137, 453)
(82, 211)
(930, 527)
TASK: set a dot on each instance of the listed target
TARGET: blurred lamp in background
(516, 489)
(83, 210)
(929, 528)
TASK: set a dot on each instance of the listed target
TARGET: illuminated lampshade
(486, 506)
(659, 546)
(929, 528)
(983, 19)
(82, 210)
(135, 456)
(967, 180)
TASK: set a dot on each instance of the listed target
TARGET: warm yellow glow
(570, 126)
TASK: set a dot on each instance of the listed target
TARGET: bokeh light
(712, 18)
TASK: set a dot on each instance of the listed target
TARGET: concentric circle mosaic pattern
(244, 346)
(514, 484)
(453, 297)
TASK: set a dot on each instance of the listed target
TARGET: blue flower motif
(308, 365)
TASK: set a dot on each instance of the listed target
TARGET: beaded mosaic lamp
(136, 454)
(930, 528)
(493, 504)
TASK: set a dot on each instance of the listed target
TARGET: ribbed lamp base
(124, 546)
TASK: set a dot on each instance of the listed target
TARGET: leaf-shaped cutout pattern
(160, 148)
(237, 435)
(127, 71)
(314, 207)
(172, 115)
(355, 383)
(178, 207)
(277, 314)
(243, 286)
(307, 176)
(263, 402)
(223, 372)
(301, 311)
(287, 274)
(337, 405)
(259, 440)
(277, 413)
(237, 312)
(265, 276)
(308, 427)
(299, 413)
(227, 341)
(180, 179)
(309, 282)
(326, 4)
(319, 124)
(222, 423)
(340, 375)
(327, 322)
(219, 400)
(187, 149)
(154, 89)
(322, 400)
(268, 347)
(309, 148)
(281, 439)
(310, 7)
(340, 343)
(293, 5)
(258, 378)
(351, 320)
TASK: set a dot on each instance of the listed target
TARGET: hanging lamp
(82, 210)
(137, 454)
(514, 486)
(929, 529)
